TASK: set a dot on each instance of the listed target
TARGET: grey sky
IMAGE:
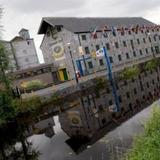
(28, 13)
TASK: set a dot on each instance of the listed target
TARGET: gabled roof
(17, 39)
(76, 25)
(23, 29)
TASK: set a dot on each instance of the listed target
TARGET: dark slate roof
(85, 24)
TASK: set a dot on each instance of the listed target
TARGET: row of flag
(115, 30)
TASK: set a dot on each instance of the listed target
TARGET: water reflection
(114, 143)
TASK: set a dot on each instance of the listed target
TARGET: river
(112, 145)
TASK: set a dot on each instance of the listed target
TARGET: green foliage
(100, 84)
(147, 146)
(6, 110)
(4, 64)
(152, 64)
(33, 85)
(26, 105)
(129, 73)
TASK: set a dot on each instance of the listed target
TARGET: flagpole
(111, 79)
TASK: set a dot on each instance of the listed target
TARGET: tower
(24, 33)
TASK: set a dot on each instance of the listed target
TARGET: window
(28, 42)
(97, 47)
(155, 38)
(150, 39)
(25, 51)
(116, 45)
(90, 65)
(110, 102)
(138, 41)
(152, 49)
(59, 29)
(147, 85)
(86, 50)
(107, 46)
(84, 37)
(152, 81)
(144, 40)
(140, 51)
(135, 91)
(146, 51)
(157, 49)
(131, 42)
(111, 59)
(129, 32)
(124, 44)
(127, 95)
(119, 57)
(101, 63)
(120, 99)
(127, 56)
(134, 53)
(26, 60)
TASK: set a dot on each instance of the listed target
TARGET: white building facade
(22, 52)
(125, 47)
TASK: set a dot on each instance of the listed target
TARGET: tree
(4, 64)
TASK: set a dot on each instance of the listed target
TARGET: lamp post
(111, 79)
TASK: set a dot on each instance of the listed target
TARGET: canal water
(110, 147)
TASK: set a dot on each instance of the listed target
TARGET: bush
(152, 64)
(32, 85)
(129, 73)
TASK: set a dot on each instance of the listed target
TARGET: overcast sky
(28, 13)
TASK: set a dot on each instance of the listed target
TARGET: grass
(147, 145)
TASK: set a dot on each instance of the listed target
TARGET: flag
(93, 32)
(81, 52)
(104, 31)
(100, 52)
(93, 54)
(114, 31)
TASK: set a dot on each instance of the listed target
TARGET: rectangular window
(120, 99)
(90, 65)
(84, 37)
(140, 51)
(97, 47)
(150, 39)
(119, 57)
(87, 50)
(135, 91)
(124, 44)
(127, 95)
(146, 51)
(110, 102)
(116, 45)
(152, 49)
(138, 41)
(127, 56)
(157, 49)
(111, 59)
(155, 38)
(144, 40)
(107, 46)
(134, 53)
(101, 63)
